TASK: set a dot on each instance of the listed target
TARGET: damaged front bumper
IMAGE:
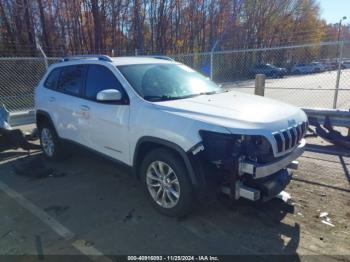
(243, 166)
(261, 190)
(264, 181)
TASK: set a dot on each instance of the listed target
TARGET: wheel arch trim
(164, 143)
(47, 116)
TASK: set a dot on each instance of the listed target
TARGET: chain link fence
(18, 78)
(316, 75)
(313, 76)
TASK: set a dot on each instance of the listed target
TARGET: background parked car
(302, 69)
(318, 67)
(314, 67)
(343, 65)
(328, 66)
(268, 70)
(346, 64)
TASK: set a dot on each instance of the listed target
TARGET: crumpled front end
(246, 166)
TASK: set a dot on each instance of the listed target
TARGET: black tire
(57, 143)
(185, 201)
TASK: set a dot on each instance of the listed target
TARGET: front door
(104, 126)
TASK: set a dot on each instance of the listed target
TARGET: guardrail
(335, 117)
(324, 121)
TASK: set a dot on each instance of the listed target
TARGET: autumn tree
(158, 26)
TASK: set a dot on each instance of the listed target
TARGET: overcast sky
(334, 10)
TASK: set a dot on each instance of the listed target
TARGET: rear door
(45, 98)
(66, 101)
(104, 127)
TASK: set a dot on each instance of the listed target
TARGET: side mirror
(109, 95)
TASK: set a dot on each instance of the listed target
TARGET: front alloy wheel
(163, 184)
(166, 182)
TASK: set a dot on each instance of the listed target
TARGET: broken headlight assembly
(220, 146)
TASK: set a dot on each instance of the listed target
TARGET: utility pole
(339, 32)
(339, 60)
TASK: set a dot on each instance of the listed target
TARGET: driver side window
(100, 78)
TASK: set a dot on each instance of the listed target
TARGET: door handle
(84, 108)
(52, 99)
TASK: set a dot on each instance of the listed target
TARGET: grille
(288, 138)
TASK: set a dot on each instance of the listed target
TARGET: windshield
(159, 82)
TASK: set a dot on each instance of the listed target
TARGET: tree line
(120, 27)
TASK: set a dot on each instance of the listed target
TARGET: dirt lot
(92, 206)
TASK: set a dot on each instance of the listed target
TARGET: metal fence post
(211, 64)
(338, 76)
(259, 85)
(212, 59)
(44, 56)
(349, 129)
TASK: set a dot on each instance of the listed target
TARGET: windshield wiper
(209, 93)
(160, 98)
(212, 92)
(166, 98)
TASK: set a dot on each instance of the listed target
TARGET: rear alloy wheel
(166, 182)
(50, 142)
(47, 142)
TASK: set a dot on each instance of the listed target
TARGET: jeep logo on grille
(291, 122)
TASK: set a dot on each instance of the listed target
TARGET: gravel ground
(104, 209)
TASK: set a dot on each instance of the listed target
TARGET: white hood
(238, 112)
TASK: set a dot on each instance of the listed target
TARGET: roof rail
(78, 57)
(162, 57)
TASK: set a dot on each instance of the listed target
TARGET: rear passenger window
(71, 79)
(100, 78)
(51, 80)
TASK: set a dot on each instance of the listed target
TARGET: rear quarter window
(71, 79)
(52, 79)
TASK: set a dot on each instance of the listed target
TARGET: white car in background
(314, 67)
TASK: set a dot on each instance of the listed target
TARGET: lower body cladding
(249, 180)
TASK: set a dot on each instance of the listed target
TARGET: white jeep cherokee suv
(182, 135)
